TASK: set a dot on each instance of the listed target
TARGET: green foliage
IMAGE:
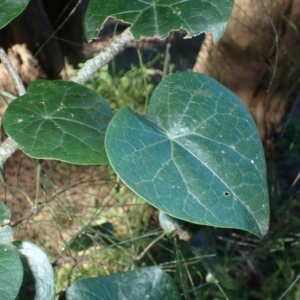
(195, 155)
(60, 120)
(11, 270)
(25, 270)
(146, 283)
(10, 9)
(128, 90)
(158, 18)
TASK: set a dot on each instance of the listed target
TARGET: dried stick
(9, 146)
(91, 66)
(12, 72)
(7, 149)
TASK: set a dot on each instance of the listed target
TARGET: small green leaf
(196, 155)
(10, 9)
(146, 283)
(60, 120)
(38, 280)
(11, 272)
(4, 214)
(156, 18)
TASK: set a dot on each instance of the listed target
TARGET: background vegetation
(79, 206)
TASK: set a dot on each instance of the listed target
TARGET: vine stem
(91, 66)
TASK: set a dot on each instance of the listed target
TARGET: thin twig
(12, 72)
(167, 59)
(290, 287)
(60, 26)
(276, 44)
(141, 255)
(37, 185)
(91, 66)
(13, 188)
(7, 149)
(9, 146)
(143, 69)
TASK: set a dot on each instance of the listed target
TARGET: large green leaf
(196, 155)
(147, 283)
(38, 280)
(11, 269)
(11, 272)
(60, 120)
(156, 18)
(9, 9)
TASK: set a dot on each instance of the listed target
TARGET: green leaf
(10, 9)
(38, 280)
(196, 155)
(146, 283)
(4, 214)
(11, 272)
(156, 18)
(11, 269)
(60, 120)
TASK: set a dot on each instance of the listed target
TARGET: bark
(34, 44)
(258, 59)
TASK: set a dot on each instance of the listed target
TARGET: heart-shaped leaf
(196, 155)
(146, 283)
(10, 9)
(60, 120)
(11, 269)
(156, 18)
(11, 272)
